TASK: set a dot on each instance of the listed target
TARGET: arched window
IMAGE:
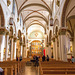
(13, 7)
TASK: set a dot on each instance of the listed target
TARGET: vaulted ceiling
(35, 11)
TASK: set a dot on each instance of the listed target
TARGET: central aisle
(31, 70)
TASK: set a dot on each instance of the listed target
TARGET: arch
(35, 4)
(34, 17)
(56, 22)
(34, 21)
(64, 13)
(2, 16)
(71, 17)
(70, 32)
(70, 11)
(36, 12)
(34, 24)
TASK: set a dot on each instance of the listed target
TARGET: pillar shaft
(11, 48)
(62, 44)
(14, 50)
(54, 50)
(49, 51)
(6, 46)
(21, 49)
(2, 45)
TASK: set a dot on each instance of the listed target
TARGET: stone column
(23, 52)
(46, 48)
(11, 53)
(2, 43)
(21, 48)
(49, 50)
(62, 44)
(60, 52)
(14, 48)
(6, 45)
(54, 49)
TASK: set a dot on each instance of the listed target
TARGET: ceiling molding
(37, 17)
(71, 17)
(36, 21)
(46, 5)
(71, 26)
(23, 4)
(34, 24)
(34, 4)
(35, 12)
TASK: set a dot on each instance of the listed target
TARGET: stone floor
(31, 70)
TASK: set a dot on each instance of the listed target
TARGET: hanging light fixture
(11, 21)
(51, 21)
(8, 2)
(58, 2)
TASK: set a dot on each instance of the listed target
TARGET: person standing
(47, 58)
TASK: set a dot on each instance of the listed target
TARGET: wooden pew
(56, 67)
(17, 66)
(58, 72)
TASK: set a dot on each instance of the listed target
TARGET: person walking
(47, 58)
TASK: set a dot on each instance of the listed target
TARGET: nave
(37, 28)
(31, 70)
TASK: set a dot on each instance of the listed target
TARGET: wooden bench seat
(12, 67)
(57, 72)
(56, 68)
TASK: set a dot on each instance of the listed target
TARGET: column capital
(62, 31)
(24, 45)
(11, 36)
(71, 39)
(21, 43)
(15, 39)
(49, 43)
(3, 30)
(53, 38)
(56, 36)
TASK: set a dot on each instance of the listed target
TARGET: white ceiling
(31, 10)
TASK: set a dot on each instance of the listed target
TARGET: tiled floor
(31, 70)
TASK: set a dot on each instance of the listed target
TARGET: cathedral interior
(33, 29)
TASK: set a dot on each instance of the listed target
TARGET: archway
(68, 21)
